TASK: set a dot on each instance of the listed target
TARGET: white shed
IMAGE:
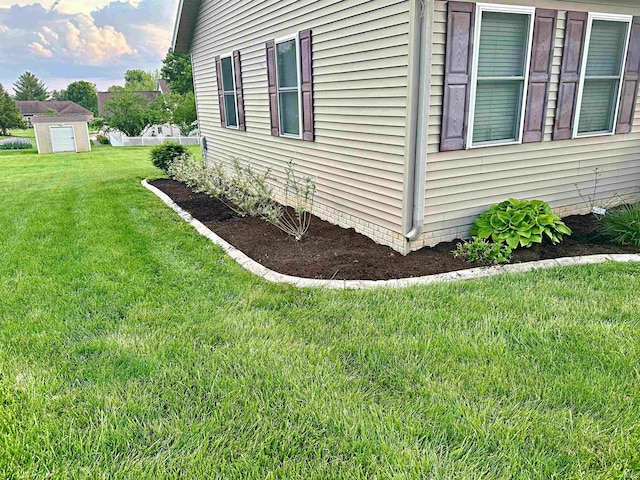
(59, 134)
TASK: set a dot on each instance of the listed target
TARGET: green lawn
(26, 133)
(133, 348)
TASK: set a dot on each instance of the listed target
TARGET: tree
(183, 111)
(132, 114)
(30, 87)
(178, 72)
(139, 81)
(84, 94)
(57, 95)
(115, 88)
(10, 116)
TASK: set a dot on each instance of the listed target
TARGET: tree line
(127, 111)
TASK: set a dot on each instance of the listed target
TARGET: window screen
(502, 62)
(602, 76)
(288, 87)
(229, 90)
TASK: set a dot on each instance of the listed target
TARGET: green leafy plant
(189, 170)
(103, 140)
(16, 145)
(520, 223)
(97, 123)
(483, 252)
(163, 155)
(622, 225)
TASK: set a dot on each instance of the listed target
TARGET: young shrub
(188, 170)
(102, 140)
(300, 194)
(163, 155)
(622, 225)
(241, 188)
(249, 189)
(520, 223)
(483, 252)
(248, 192)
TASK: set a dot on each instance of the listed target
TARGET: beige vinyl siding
(461, 184)
(360, 52)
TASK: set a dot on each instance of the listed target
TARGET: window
(602, 71)
(288, 81)
(500, 74)
(229, 91)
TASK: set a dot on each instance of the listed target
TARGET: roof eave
(185, 23)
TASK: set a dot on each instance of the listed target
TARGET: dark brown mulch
(329, 251)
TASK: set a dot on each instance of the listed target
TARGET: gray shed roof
(185, 24)
(35, 107)
(60, 119)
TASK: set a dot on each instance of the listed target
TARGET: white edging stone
(480, 272)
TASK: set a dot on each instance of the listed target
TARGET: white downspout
(424, 38)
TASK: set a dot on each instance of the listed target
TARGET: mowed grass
(23, 133)
(133, 348)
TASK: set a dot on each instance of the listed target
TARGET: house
(163, 86)
(61, 133)
(31, 108)
(413, 116)
(165, 130)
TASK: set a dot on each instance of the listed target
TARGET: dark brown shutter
(544, 34)
(239, 97)
(631, 80)
(273, 89)
(457, 77)
(306, 63)
(223, 119)
(570, 74)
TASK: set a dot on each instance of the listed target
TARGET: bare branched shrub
(599, 207)
(248, 192)
(299, 193)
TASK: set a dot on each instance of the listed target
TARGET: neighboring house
(414, 116)
(31, 108)
(163, 86)
(165, 130)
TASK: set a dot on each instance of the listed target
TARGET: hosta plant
(520, 223)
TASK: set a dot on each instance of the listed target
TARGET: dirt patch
(332, 252)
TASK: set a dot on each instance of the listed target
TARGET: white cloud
(48, 35)
(83, 38)
(82, 41)
(39, 51)
(70, 7)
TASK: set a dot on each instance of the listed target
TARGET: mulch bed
(332, 252)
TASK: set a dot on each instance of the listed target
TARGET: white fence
(119, 140)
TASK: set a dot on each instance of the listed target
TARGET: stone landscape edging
(480, 272)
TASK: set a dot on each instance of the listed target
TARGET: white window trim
(585, 56)
(235, 90)
(490, 7)
(296, 37)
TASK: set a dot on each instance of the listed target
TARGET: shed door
(63, 139)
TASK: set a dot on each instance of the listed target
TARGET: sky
(61, 41)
